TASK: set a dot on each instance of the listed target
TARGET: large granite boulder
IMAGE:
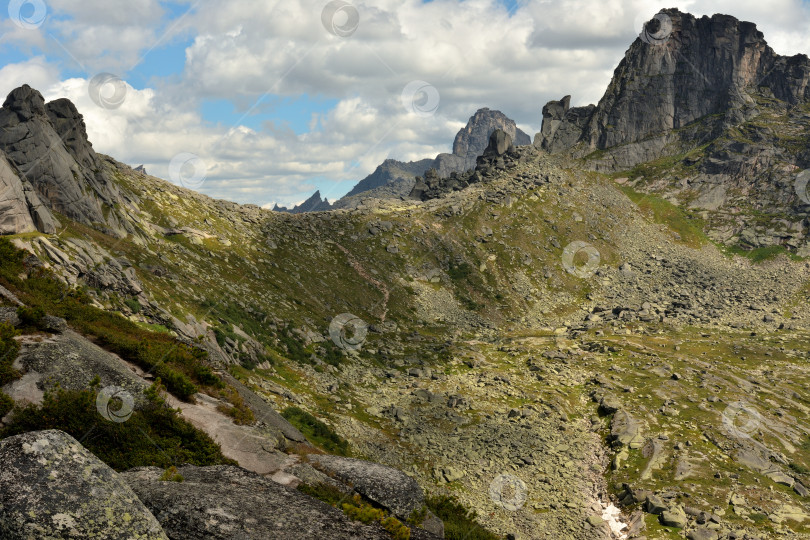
(225, 502)
(386, 486)
(52, 487)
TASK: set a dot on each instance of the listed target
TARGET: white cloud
(473, 52)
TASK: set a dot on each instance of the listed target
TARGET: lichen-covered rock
(52, 487)
(384, 485)
(225, 502)
(71, 361)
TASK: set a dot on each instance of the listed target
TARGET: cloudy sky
(265, 101)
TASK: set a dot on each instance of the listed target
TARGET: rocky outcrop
(52, 487)
(395, 179)
(71, 362)
(384, 485)
(681, 70)
(47, 147)
(474, 138)
(500, 154)
(225, 502)
(15, 216)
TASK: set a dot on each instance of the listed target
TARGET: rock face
(225, 502)
(396, 178)
(384, 485)
(47, 148)
(15, 216)
(51, 487)
(681, 70)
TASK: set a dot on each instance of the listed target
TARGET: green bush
(179, 365)
(458, 272)
(316, 431)
(6, 404)
(8, 353)
(133, 305)
(360, 511)
(324, 492)
(154, 435)
(171, 475)
(459, 522)
(30, 317)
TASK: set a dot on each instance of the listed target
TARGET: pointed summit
(679, 70)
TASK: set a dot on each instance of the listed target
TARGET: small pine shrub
(6, 404)
(459, 522)
(324, 492)
(316, 431)
(133, 305)
(154, 435)
(30, 317)
(8, 353)
(358, 510)
(171, 475)
(238, 409)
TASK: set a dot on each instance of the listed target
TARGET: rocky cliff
(680, 70)
(46, 156)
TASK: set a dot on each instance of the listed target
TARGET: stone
(702, 533)
(48, 146)
(231, 503)
(499, 144)
(625, 430)
(674, 517)
(384, 485)
(52, 487)
(650, 96)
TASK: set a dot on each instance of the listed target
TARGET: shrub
(171, 475)
(6, 404)
(8, 353)
(239, 410)
(365, 513)
(324, 492)
(458, 272)
(30, 317)
(133, 305)
(459, 522)
(316, 431)
(154, 435)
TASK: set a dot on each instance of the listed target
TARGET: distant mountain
(313, 204)
(396, 178)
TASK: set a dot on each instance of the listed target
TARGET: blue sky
(277, 99)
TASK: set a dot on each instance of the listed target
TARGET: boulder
(226, 502)
(499, 144)
(701, 533)
(52, 487)
(674, 517)
(625, 430)
(384, 485)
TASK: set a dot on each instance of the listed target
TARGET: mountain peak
(680, 69)
(25, 101)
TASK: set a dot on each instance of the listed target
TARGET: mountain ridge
(558, 340)
(395, 178)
